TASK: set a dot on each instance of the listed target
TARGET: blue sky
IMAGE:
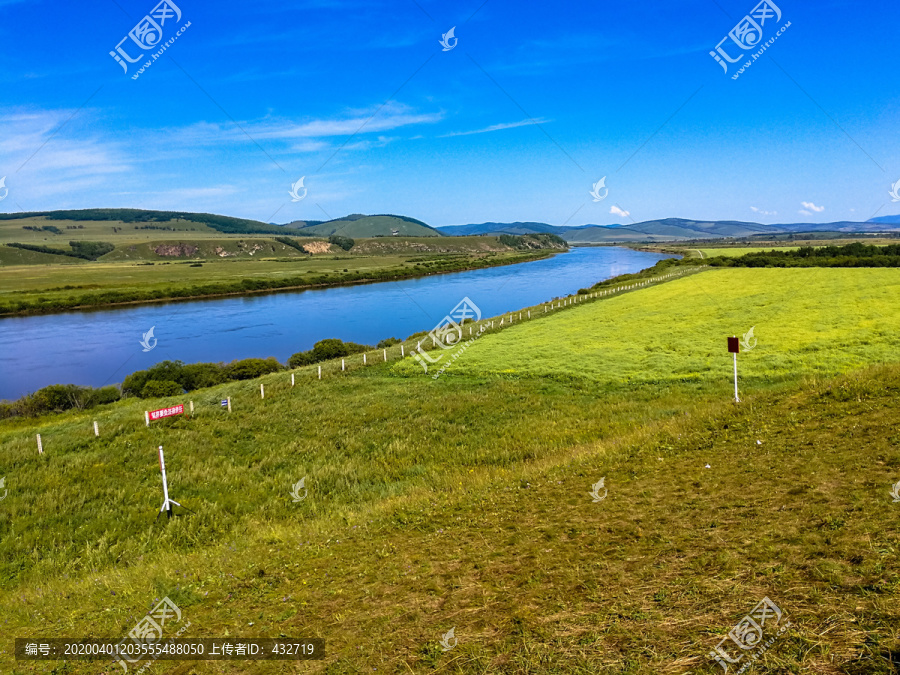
(533, 105)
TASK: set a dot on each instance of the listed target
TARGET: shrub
(57, 397)
(345, 243)
(323, 350)
(301, 359)
(388, 342)
(165, 371)
(101, 396)
(200, 375)
(159, 388)
(250, 368)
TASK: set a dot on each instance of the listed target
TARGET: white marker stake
(40, 445)
(364, 359)
(320, 372)
(385, 350)
(343, 367)
(167, 503)
(162, 467)
(262, 391)
(192, 406)
(529, 313)
(96, 429)
(147, 418)
(292, 379)
(229, 403)
(402, 351)
(736, 399)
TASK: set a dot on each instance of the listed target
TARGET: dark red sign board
(734, 345)
(168, 412)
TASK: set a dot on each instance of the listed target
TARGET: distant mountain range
(669, 229)
(360, 226)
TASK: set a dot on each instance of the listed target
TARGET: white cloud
(51, 154)
(615, 210)
(495, 127)
(763, 213)
(812, 207)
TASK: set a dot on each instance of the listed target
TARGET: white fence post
(364, 359)
(229, 403)
(40, 445)
(262, 391)
(192, 406)
(343, 367)
(292, 379)
(96, 429)
(385, 354)
(320, 372)
(147, 418)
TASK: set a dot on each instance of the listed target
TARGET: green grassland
(369, 226)
(105, 230)
(815, 322)
(463, 502)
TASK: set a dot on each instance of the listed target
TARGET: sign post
(167, 503)
(734, 346)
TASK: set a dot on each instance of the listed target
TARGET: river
(98, 347)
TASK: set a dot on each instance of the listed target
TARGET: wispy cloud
(616, 211)
(495, 127)
(763, 213)
(305, 135)
(811, 207)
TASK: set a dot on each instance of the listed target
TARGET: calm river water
(100, 347)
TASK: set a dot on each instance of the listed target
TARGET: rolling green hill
(360, 226)
(218, 223)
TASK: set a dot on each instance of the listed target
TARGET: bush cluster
(851, 255)
(58, 398)
(345, 243)
(170, 378)
(323, 350)
(87, 250)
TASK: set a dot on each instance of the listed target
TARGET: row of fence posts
(262, 387)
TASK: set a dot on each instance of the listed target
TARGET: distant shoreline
(240, 288)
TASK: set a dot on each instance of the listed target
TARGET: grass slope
(463, 503)
(372, 226)
(820, 321)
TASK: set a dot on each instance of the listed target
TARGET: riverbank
(99, 346)
(111, 285)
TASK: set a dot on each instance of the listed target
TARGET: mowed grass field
(809, 322)
(464, 503)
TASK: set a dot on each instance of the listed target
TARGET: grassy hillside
(810, 322)
(464, 503)
(372, 226)
(144, 217)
